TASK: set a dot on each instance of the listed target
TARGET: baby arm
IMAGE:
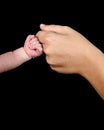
(12, 59)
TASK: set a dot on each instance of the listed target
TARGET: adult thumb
(54, 28)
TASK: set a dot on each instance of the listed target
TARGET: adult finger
(45, 37)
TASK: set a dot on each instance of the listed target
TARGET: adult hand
(67, 51)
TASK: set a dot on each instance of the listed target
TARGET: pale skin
(12, 59)
(67, 51)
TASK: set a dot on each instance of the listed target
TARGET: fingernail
(42, 25)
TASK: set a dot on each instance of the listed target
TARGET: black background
(33, 87)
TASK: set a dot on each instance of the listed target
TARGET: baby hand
(32, 46)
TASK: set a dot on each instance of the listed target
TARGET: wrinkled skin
(32, 46)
